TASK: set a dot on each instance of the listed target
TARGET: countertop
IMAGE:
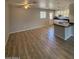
(64, 24)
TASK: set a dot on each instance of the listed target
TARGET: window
(51, 15)
(42, 14)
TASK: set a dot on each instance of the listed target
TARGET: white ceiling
(48, 4)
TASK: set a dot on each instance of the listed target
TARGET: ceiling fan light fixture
(26, 6)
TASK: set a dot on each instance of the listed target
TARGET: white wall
(71, 14)
(22, 19)
(7, 21)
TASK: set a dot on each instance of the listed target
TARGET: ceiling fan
(26, 4)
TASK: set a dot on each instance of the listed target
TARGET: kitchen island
(64, 30)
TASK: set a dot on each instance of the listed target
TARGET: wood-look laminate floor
(39, 44)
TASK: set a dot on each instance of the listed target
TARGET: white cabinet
(64, 32)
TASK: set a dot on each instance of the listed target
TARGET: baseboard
(59, 36)
(68, 37)
(29, 28)
(12, 57)
(63, 38)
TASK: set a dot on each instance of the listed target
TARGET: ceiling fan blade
(19, 4)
